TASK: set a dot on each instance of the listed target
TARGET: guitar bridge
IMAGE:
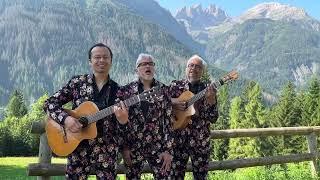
(65, 138)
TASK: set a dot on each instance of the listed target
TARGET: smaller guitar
(183, 118)
(63, 142)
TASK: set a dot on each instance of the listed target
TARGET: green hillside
(43, 43)
(270, 52)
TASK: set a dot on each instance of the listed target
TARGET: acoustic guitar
(63, 142)
(183, 118)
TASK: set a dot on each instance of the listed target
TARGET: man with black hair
(98, 154)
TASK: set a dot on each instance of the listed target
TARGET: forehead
(195, 61)
(145, 59)
(100, 51)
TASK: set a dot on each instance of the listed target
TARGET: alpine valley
(44, 43)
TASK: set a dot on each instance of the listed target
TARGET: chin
(148, 78)
(102, 72)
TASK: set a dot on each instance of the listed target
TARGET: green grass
(294, 171)
(16, 168)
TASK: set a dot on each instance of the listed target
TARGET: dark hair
(99, 45)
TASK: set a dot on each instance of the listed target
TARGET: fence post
(45, 154)
(312, 146)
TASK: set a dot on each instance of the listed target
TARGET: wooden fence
(44, 168)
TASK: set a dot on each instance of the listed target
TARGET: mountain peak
(274, 11)
(195, 17)
(196, 6)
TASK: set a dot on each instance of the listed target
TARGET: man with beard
(98, 154)
(194, 140)
(150, 127)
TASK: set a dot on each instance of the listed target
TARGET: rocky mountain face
(152, 12)
(271, 52)
(271, 43)
(196, 19)
(274, 11)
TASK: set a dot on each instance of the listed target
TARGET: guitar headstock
(231, 76)
(150, 95)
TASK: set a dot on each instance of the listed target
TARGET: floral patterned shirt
(149, 126)
(200, 122)
(83, 88)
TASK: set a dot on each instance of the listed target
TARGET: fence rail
(44, 169)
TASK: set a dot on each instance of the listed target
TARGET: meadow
(15, 168)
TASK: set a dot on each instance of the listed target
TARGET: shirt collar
(94, 79)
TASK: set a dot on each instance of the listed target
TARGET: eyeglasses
(195, 66)
(104, 58)
(143, 64)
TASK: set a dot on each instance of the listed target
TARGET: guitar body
(62, 141)
(183, 118)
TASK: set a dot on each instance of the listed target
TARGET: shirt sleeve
(173, 89)
(168, 121)
(53, 105)
(123, 129)
(209, 112)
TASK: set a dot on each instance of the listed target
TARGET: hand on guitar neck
(211, 95)
(121, 113)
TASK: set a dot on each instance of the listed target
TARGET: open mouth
(102, 66)
(148, 72)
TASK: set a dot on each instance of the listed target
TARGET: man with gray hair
(194, 140)
(143, 56)
(150, 127)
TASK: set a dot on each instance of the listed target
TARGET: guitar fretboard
(109, 110)
(203, 92)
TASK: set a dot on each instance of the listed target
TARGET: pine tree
(286, 113)
(254, 110)
(255, 117)
(247, 89)
(252, 116)
(220, 146)
(37, 112)
(310, 104)
(16, 106)
(314, 95)
(236, 118)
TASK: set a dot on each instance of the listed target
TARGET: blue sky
(236, 7)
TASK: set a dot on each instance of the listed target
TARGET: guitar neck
(109, 110)
(203, 92)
